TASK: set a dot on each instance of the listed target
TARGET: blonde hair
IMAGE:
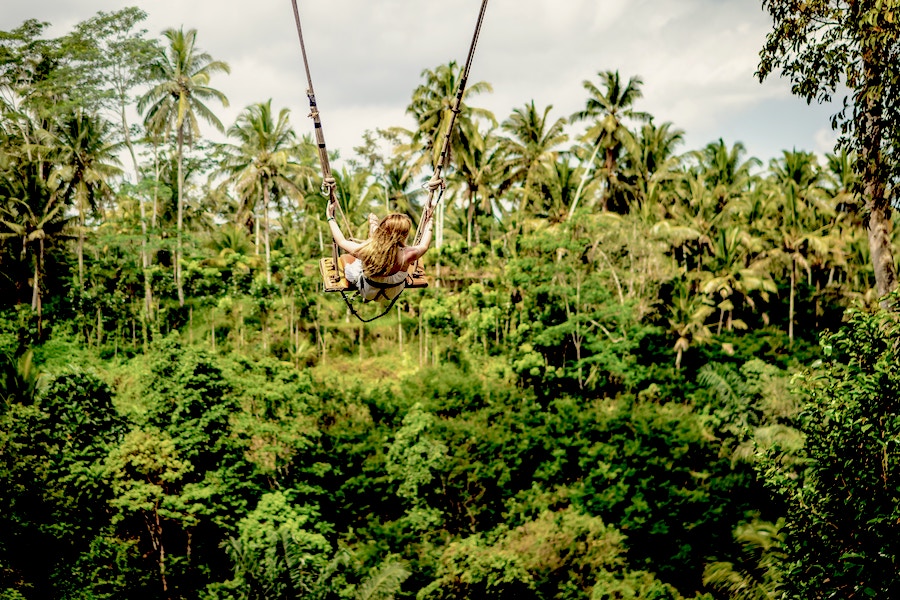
(379, 253)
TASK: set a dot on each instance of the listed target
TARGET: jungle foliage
(638, 372)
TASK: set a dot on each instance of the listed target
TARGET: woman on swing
(378, 266)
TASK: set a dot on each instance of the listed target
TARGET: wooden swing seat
(333, 278)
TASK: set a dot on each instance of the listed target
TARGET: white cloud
(696, 57)
(825, 139)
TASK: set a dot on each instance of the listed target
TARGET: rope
(358, 316)
(381, 292)
(435, 184)
(445, 144)
(329, 185)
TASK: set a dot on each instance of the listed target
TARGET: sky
(696, 58)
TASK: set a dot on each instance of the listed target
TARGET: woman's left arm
(338, 235)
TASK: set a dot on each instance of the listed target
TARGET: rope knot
(435, 183)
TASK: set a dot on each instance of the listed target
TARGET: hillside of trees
(640, 371)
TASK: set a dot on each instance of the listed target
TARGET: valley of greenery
(640, 371)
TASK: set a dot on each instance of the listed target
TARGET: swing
(331, 269)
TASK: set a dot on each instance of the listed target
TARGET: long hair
(379, 253)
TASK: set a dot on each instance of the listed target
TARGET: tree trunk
(36, 286)
(156, 534)
(256, 232)
(80, 243)
(265, 183)
(584, 177)
(178, 248)
(438, 225)
(878, 208)
(157, 171)
(526, 190)
(399, 331)
(470, 217)
(791, 302)
(145, 256)
(610, 165)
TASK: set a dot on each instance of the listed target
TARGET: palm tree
(264, 163)
(806, 217)
(736, 268)
(86, 162)
(763, 543)
(399, 195)
(431, 106)
(386, 155)
(689, 221)
(840, 179)
(687, 318)
(122, 56)
(559, 184)
(477, 162)
(608, 108)
(725, 170)
(651, 166)
(359, 196)
(33, 212)
(174, 103)
(532, 145)
(19, 378)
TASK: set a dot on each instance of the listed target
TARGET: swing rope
(436, 184)
(352, 308)
(329, 185)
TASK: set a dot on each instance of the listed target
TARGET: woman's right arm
(414, 253)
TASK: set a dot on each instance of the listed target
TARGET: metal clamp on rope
(328, 184)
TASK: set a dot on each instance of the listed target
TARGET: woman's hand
(329, 210)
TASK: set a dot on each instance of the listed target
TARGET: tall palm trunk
(36, 301)
(584, 177)
(178, 240)
(438, 240)
(255, 231)
(610, 164)
(145, 256)
(470, 216)
(791, 301)
(81, 224)
(157, 173)
(526, 189)
(266, 226)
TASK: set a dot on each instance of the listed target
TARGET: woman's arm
(413, 253)
(337, 234)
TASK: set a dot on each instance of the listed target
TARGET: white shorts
(355, 277)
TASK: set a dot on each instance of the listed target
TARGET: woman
(378, 267)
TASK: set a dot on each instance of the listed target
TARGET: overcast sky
(696, 58)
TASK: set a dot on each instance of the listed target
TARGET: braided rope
(435, 184)
(445, 143)
(329, 185)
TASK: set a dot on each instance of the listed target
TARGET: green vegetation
(639, 373)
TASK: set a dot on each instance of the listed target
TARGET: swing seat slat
(333, 279)
(333, 276)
